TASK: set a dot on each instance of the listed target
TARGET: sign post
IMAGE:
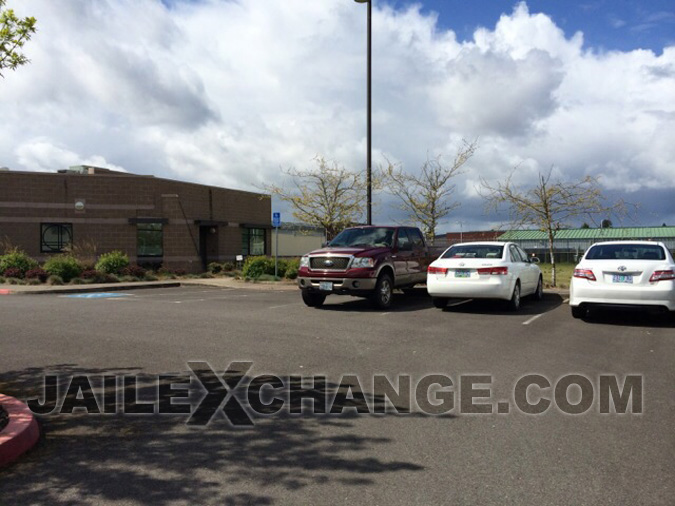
(276, 222)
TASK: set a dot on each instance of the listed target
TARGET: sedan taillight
(662, 276)
(584, 273)
(437, 270)
(493, 271)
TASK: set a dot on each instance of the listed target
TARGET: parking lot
(311, 458)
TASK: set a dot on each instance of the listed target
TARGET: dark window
(403, 241)
(55, 237)
(626, 252)
(515, 255)
(416, 237)
(474, 251)
(149, 240)
(523, 254)
(253, 241)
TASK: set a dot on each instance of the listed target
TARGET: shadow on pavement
(413, 300)
(159, 459)
(528, 306)
(631, 318)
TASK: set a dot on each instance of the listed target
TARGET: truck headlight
(304, 261)
(363, 262)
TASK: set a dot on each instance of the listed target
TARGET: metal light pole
(369, 182)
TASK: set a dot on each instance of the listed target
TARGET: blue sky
(606, 24)
(228, 92)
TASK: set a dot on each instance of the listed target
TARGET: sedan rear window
(474, 251)
(626, 252)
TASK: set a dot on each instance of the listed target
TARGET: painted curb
(22, 432)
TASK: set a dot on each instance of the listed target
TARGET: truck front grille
(329, 263)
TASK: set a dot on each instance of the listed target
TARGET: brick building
(155, 221)
(450, 238)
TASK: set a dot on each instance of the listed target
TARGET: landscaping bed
(17, 268)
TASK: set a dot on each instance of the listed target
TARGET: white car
(484, 270)
(621, 274)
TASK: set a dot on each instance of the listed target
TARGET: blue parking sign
(276, 219)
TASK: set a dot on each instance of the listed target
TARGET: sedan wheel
(539, 293)
(439, 302)
(514, 303)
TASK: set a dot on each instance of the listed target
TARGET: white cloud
(226, 92)
(42, 155)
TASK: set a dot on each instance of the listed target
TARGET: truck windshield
(371, 236)
(475, 251)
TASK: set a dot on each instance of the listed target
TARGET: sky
(230, 92)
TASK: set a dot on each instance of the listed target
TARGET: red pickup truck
(367, 261)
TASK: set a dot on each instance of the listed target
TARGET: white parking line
(283, 305)
(533, 318)
(566, 301)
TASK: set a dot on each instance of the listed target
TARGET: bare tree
(329, 195)
(426, 196)
(549, 204)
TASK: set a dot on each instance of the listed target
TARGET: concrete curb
(212, 282)
(99, 287)
(22, 432)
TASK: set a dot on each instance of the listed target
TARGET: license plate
(325, 286)
(462, 273)
(622, 278)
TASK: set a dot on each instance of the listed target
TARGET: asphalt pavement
(553, 458)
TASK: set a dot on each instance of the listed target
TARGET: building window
(150, 240)
(253, 241)
(55, 237)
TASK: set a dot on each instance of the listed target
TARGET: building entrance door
(208, 244)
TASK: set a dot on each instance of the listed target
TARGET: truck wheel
(514, 303)
(439, 302)
(313, 299)
(384, 292)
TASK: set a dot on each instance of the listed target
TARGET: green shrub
(16, 259)
(113, 262)
(214, 268)
(63, 266)
(228, 267)
(292, 266)
(54, 280)
(254, 267)
(150, 277)
(2, 280)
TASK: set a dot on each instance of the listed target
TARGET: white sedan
(484, 270)
(621, 274)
